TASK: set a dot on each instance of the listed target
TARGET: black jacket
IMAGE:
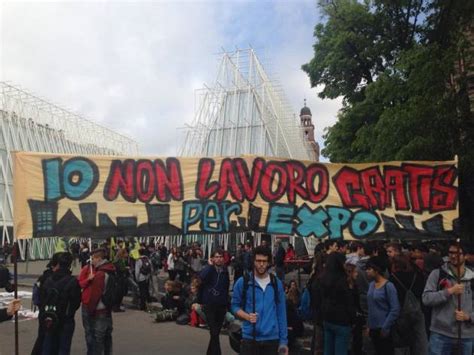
(280, 257)
(336, 304)
(69, 293)
(406, 279)
(3, 315)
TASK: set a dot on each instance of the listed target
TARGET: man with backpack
(143, 271)
(99, 287)
(259, 300)
(213, 295)
(448, 291)
(60, 297)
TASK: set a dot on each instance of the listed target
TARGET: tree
(402, 69)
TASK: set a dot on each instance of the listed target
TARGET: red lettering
(348, 186)
(419, 186)
(205, 190)
(121, 181)
(269, 178)
(445, 195)
(296, 175)
(374, 187)
(249, 185)
(228, 182)
(395, 187)
(145, 181)
(169, 181)
(313, 172)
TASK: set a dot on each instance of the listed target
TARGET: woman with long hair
(337, 306)
(383, 306)
(359, 320)
(406, 277)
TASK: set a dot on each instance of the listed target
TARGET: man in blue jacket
(259, 300)
(213, 295)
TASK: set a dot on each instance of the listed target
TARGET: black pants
(172, 274)
(249, 347)
(382, 345)
(215, 314)
(144, 293)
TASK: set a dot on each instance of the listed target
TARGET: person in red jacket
(96, 317)
(290, 253)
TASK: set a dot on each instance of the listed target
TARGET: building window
(45, 221)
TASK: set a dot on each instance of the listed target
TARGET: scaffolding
(244, 112)
(30, 123)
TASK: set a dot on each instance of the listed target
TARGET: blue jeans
(336, 339)
(59, 341)
(98, 331)
(443, 345)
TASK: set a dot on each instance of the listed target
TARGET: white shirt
(263, 282)
(170, 262)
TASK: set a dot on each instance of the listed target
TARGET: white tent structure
(244, 112)
(30, 123)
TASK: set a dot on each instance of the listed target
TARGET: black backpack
(145, 269)
(410, 314)
(246, 279)
(112, 296)
(54, 302)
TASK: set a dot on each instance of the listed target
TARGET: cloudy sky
(133, 66)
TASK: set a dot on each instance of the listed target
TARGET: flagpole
(15, 280)
(458, 264)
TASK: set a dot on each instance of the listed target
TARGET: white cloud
(134, 66)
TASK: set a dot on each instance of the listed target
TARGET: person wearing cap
(383, 306)
(447, 288)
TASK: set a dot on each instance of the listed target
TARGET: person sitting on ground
(174, 297)
(196, 314)
(7, 313)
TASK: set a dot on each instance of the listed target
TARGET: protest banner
(102, 196)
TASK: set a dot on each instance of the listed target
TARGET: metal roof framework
(244, 112)
(30, 123)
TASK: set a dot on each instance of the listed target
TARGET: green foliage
(396, 63)
(393, 64)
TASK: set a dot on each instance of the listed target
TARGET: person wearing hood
(444, 288)
(60, 297)
(96, 316)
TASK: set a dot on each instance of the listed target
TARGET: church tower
(308, 127)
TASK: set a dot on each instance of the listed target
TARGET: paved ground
(134, 331)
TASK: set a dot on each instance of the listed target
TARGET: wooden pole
(458, 266)
(15, 280)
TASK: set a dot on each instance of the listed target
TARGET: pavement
(135, 332)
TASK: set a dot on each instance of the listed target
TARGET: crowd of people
(415, 298)
(360, 298)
